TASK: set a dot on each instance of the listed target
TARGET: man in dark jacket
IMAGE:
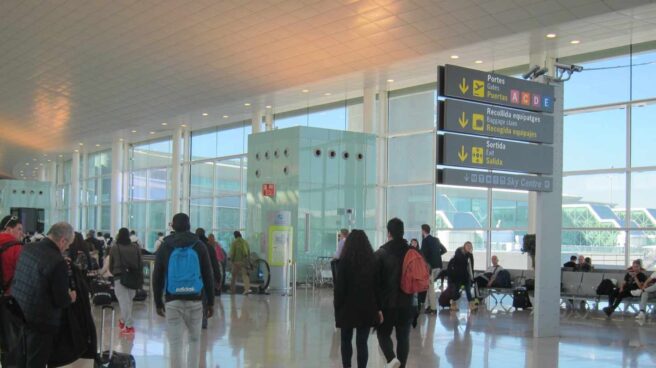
(432, 249)
(395, 306)
(184, 293)
(41, 288)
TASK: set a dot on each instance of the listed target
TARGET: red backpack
(415, 274)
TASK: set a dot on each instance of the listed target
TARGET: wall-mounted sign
(476, 85)
(494, 154)
(472, 178)
(495, 121)
(269, 190)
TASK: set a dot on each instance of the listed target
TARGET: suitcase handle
(111, 332)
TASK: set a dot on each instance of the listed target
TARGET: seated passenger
(649, 286)
(634, 279)
(571, 263)
(582, 266)
(489, 278)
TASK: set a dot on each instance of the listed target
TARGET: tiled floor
(275, 331)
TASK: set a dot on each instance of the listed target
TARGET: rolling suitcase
(521, 299)
(111, 358)
(102, 292)
(140, 295)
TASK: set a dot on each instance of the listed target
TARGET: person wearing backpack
(394, 305)
(355, 299)
(181, 277)
(126, 265)
(240, 257)
(432, 249)
(11, 231)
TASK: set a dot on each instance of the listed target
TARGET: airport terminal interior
(289, 120)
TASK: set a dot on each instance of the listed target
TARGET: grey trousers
(181, 316)
(124, 296)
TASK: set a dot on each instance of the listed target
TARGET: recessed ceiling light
(61, 155)
(49, 160)
(97, 145)
(551, 35)
(121, 139)
(268, 106)
(76, 150)
(134, 131)
(390, 81)
(41, 164)
(478, 62)
(247, 104)
(305, 90)
(205, 114)
(455, 57)
(81, 144)
(225, 116)
(575, 42)
(45, 155)
(164, 124)
(183, 125)
(327, 94)
(27, 164)
(152, 133)
(33, 159)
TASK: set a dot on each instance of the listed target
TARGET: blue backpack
(183, 276)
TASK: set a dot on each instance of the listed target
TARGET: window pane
(595, 140)
(105, 218)
(593, 200)
(202, 179)
(329, 119)
(507, 246)
(227, 218)
(604, 247)
(157, 215)
(91, 193)
(509, 209)
(200, 212)
(461, 208)
(157, 184)
(291, 121)
(232, 141)
(106, 190)
(643, 131)
(412, 112)
(227, 176)
(355, 117)
(643, 246)
(643, 75)
(137, 215)
(643, 200)
(139, 185)
(597, 87)
(203, 145)
(91, 218)
(412, 204)
(410, 159)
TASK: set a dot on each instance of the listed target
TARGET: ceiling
(90, 71)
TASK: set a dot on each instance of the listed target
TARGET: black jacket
(389, 265)
(178, 240)
(41, 284)
(432, 249)
(355, 297)
(459, 271)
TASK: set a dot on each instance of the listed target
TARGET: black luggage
(102, 292)
(111, 358)
(521, 299)
(140, 296)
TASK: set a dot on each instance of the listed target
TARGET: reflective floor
(275, 331)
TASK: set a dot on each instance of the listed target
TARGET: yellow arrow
(463, 120)
(463, 86)
(462, 155)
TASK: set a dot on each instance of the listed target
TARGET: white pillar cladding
(268, 122)
(378, 125)
(117, 189)
(186, 172)
(176, 151)
(546, 215)
(74, 205)
(368, 112)
(52, 178)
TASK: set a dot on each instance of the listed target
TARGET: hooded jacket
(389, 265)
(9, 259)
(459, 266)
(180, 240)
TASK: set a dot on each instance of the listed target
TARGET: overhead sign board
(495, 121)
(494, 154)
(494, 180)
(492, 88)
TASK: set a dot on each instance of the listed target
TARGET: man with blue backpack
(183, 274)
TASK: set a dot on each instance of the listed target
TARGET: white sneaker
(395, 363)
(636, 292)
(641, 316)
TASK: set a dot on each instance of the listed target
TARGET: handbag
(131, 279)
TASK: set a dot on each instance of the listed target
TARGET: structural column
(117, 193)
(175, 170)
(74, 205)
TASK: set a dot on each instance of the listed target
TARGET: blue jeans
(181, 316)
(360, 343)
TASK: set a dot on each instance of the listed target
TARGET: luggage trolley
(323, 274)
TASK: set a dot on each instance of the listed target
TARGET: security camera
(532, 71)
(569, 67)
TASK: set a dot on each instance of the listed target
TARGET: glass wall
(63, 191)
(96, 184)
(609, 162)
(338, 116)
(149, 206)
(218, 180)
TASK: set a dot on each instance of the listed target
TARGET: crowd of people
(45, 288)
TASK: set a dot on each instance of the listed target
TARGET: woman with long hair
(125, 256)
(355, 300)
(78, 252)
